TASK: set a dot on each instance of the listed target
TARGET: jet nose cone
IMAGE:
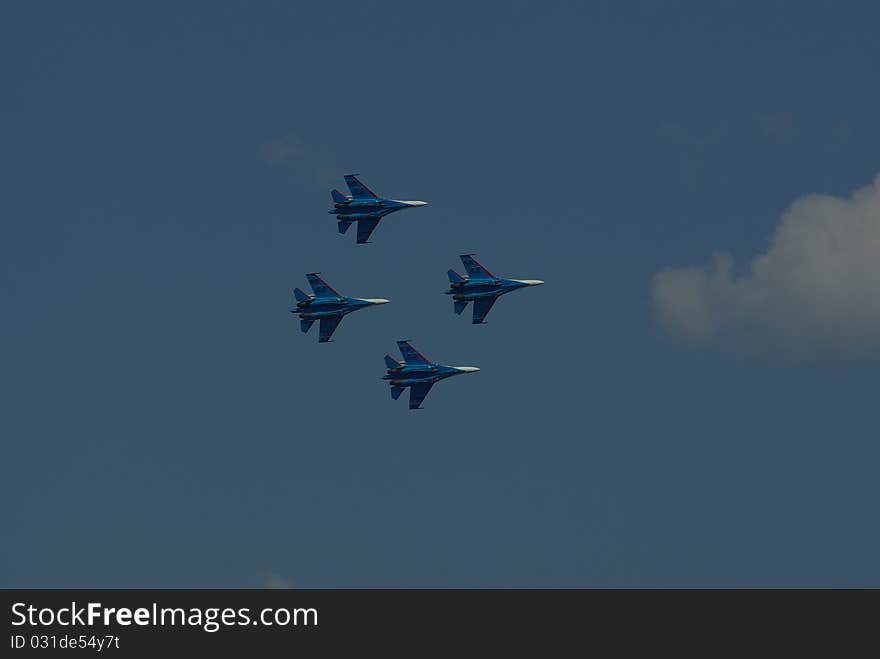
(468, 369)
(417, 203)
(376, 300)
(532, 282)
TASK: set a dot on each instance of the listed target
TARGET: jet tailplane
(454, 277)
(343, 225)
(299, 295)
(396, 391)
(305, 325)
(338, 197)
(460, 306)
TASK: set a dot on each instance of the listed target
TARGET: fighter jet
(481, 287)
(418, 373)
(364, 207)
(326, 305)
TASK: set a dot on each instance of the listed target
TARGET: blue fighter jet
(480, 287)
(326, 305)
(418, 373)
(364, 207)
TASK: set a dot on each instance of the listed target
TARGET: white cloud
(305, 160)
(816, 291)
(288, 148)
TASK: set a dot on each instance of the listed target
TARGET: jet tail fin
(390, 362)
(343, 225)
(460, 305)
(338, 197)
(299, 295)
(396, 391)
(454, 277)
(305, 325)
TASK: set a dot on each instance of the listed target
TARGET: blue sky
(166, 171)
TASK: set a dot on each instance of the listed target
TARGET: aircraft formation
(327, 306)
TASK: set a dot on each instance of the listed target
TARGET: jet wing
(417, 393)
(358, 189)
(321, 287)
(412, 356)
(474, 269)
(365, 229)
(482, 306)
(328, 326)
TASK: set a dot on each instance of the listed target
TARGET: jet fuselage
(409, 375)
(363, 209)
(320, 307)
(472, 289)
